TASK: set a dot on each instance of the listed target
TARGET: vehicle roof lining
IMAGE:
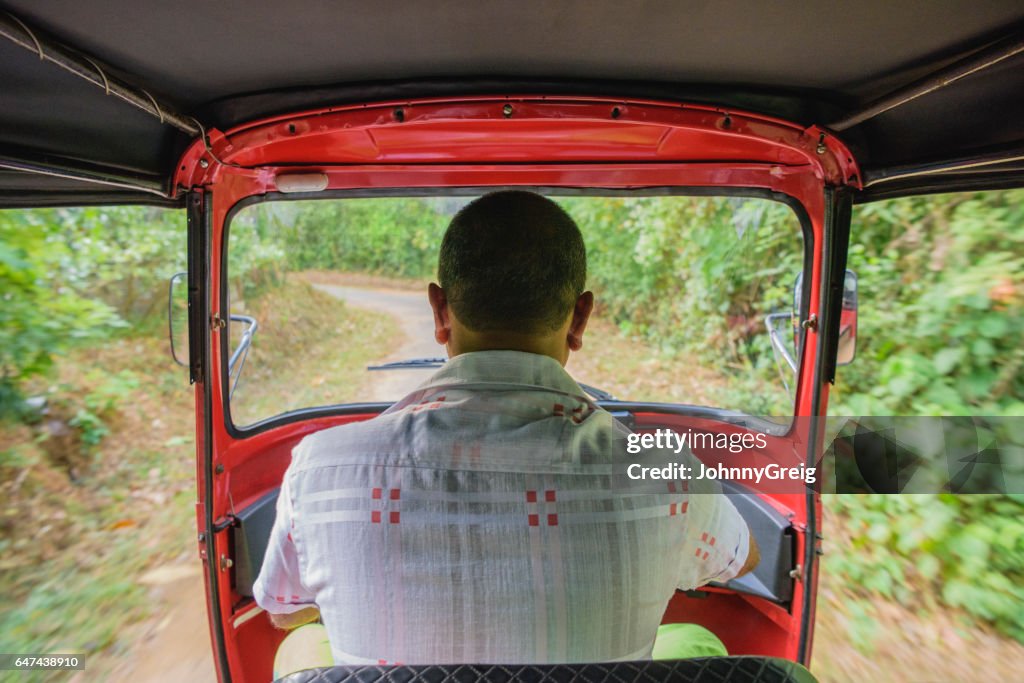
(807, 64)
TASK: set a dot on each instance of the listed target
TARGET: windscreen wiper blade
(413, 363)
(597, 394)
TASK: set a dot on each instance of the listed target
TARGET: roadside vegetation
(96, 450)
(97, 454)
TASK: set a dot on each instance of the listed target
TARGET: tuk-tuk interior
(177, 122)
(760, 614)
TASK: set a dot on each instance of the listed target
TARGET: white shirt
(475, 521)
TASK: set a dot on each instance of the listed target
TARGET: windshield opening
(328, 301)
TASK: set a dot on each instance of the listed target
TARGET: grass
(310, 350)
(632, 370)
(79, 542)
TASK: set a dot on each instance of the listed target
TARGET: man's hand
(287, 622)
(753, 557)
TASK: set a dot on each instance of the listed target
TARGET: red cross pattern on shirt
(428, 404)
(533, 503)
(709, 544)
(391, 505)
(558, 410)
(678, 508)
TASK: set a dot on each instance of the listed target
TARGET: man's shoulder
(339, 441)
(410, 436)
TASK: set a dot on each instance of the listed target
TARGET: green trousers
(680, 641)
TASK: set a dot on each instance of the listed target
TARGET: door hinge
(217, 322)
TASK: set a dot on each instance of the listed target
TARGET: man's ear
(580, 316)
(442, 316)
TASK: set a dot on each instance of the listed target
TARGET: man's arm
(719, 545)
(279, 588)
(753, 557)
(287, 622)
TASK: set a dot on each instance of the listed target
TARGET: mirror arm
(776, 340)
(246, 339)
(242, 352)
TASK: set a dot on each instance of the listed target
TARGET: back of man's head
(512, 261)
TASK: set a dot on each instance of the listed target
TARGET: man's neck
(544, 345)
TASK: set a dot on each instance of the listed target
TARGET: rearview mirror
(848, 321)
(847, 318)
(177, 318)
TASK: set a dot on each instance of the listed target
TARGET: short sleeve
(279, 588)
(717, 539)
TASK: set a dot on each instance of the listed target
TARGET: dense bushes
(941, 281)
(67, 277)
(698, 275)
(965, 551)
(942, 316)
(397, 236)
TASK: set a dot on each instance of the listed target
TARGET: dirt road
(412, 312)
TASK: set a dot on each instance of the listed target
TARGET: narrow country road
(412, 312)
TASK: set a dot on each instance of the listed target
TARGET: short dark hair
(512, 260)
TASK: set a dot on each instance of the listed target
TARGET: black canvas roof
(226, 63)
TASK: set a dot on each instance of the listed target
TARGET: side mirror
(847, 349)
(847, 318)
(177, 318)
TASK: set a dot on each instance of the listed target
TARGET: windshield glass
(328, 300)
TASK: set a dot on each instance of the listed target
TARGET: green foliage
(43, 311)
(942, 315)
(968, 550)
(399, 237)
(698, 275)
(258, 245)
(941, 284)
(74, 276)
(100, 403)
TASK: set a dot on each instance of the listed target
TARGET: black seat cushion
(697, 670)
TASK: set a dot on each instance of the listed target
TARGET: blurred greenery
(943, 290)
(970, 548)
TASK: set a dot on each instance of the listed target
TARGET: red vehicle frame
(547, 142)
